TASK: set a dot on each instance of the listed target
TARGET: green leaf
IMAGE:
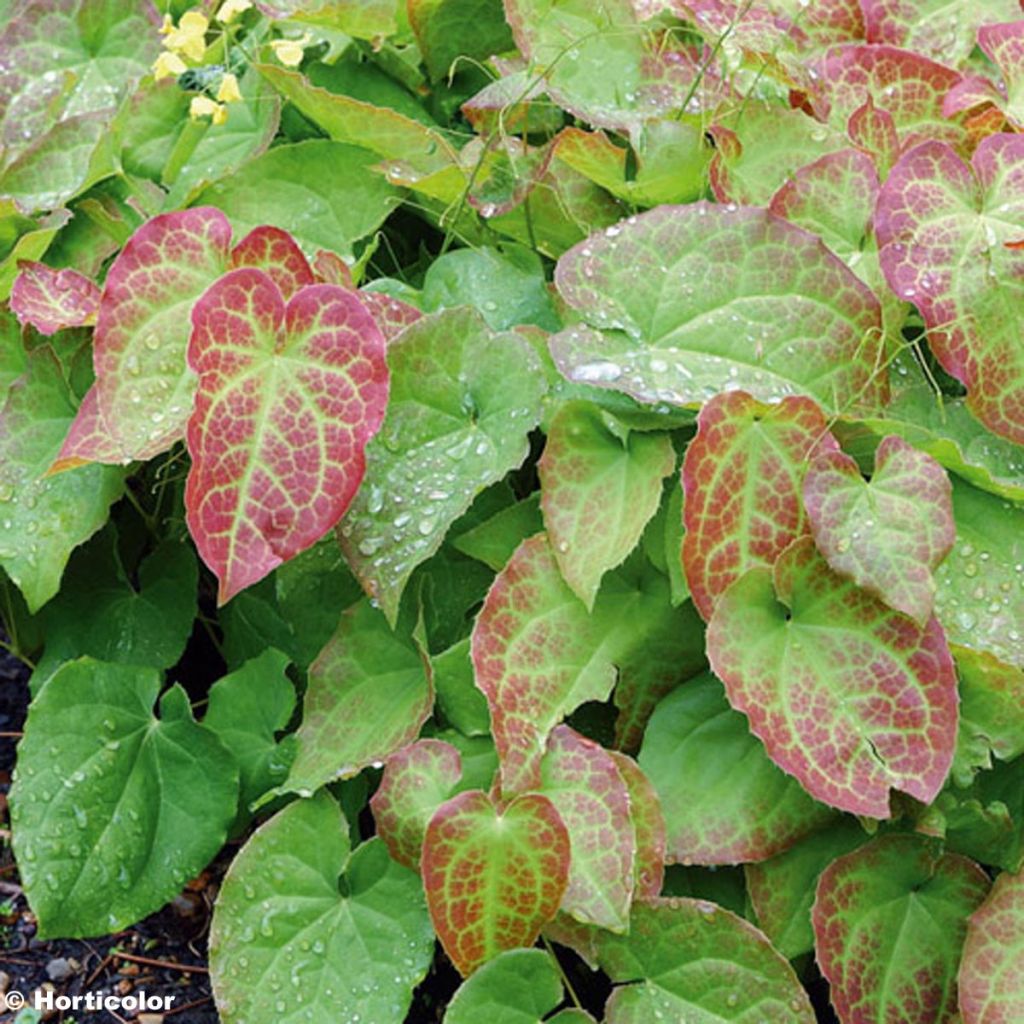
(450, 29)
(648, 824)
(889, 922)
(493, 877)
(980, 587)
(588, 791)
(846, 694)
(458, 699)
(506, 286)
(886, 535)
(369, 692)
(724, 801)
(303, 931)
(990, 982)
(252, 621)
(100, 613)
(782, 888)
(495, 540)
(32, 242)
(245, 711)
(461, 405)
(114, 809)
(686, 959)
(43, 519)
(364, 19)
(683, 302)
(325, 193)
(600, 484)
(519, 986)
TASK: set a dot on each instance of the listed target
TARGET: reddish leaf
(941, 225)
(991, 975)
(1004, 45)
(907, 85)
(649, 825)
(51, 300)
(89, 433)
(846, 694)
(887, 535)
(873, 130)
(288, 396)
(583, 782)
(889, 920)
(940, 29)
(493, 877)
(741, 477)
(275, 252)
(330, 268)
(416, 781)
(391, 314)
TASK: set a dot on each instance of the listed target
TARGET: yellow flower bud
(229, 91)
(168, 65)
(203, 106)
(289, 51)
(231, 9)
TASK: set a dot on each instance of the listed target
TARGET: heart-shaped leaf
(991, 980)
(417, 779)
(889, 921)
(462, 403)
(600, 484)
(686, 959)
(942, 225)
(51, 300)
(583, 782)
(846, 694)
(683, 302)
(493, 876)
(742, 479)
(369, 692)
(723, 799)
(886, 535)
(101, 833)
(288, 396)
(295, 938)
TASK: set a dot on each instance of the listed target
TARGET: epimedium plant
(527, 473)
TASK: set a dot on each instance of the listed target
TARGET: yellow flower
(230, 8)
(189, 38)
(289, 51)
(229, 91)
(203, 106)
(168, 65)
(167, 27)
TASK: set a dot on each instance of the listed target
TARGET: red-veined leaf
(493, 877)
(417, 780)
(991, 975)
(648, 823)
(741, 478)
(683, 302)
(391, 314)
(583, 782)
(276, 253)
(941, 225)
(51, 300)
(1004, 45)
(887, 535)
(288, 396)
(846, 694)
(889, 922)
(873, 130)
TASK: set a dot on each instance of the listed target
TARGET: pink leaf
(288, 397)
(51, 300)
(649, 824)
(275, 252)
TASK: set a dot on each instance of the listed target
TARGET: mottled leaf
(980, 598)
(941, 226)
(991, 979)
(277, 254)
(683, 302)
(687, 959)
(300, 919)
(493, 876)
(588, 791)
(1004, 46)
(417, 780)
(782, 889)
(889, 534)
(51, 300)
(43, 519)
(101, 832)
(846, 694)
(369, 692)
(742, 477)
(281, 420)
(600, 484)
(724, 801)
(462, 403)
(889, 921)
